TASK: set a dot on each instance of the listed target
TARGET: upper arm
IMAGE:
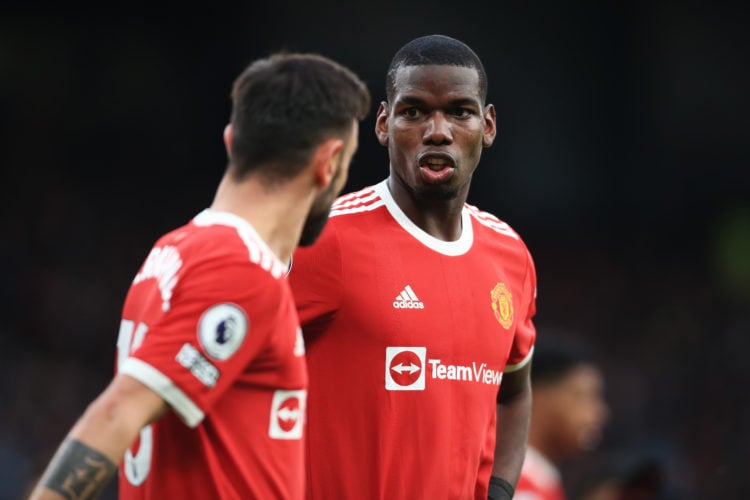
(515, 383)
(111, 423)
(138, 401)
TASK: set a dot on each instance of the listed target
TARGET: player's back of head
(285, 105)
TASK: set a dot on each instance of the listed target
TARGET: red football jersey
(407, 339)
(210, 325)
(540, 479)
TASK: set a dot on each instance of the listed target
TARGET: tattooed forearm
(78, 472)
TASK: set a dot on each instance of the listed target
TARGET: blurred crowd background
(622, 160)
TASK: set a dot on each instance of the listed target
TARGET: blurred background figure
(568, 413)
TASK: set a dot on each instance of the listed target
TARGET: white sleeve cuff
(518, 366)
(185, 408)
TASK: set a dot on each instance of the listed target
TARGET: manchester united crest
(502, 305)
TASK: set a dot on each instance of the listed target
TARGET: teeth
(435, 162)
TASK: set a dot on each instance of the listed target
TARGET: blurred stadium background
(622, 159)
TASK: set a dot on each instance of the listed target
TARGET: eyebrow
(416, 101)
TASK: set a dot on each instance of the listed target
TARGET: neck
(437, 214)
(277, 213)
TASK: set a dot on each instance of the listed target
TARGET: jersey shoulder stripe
(363, 200)
(258, 251)
(490, 221)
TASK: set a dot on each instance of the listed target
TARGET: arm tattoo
(78, 472)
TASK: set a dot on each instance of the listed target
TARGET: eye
(463, 112)
(410, 112)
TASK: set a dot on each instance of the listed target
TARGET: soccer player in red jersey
(567, 416)
(210, 391)
(417, 307)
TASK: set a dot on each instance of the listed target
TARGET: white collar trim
(449, 248)
(209, 217)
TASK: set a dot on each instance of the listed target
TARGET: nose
(437, 130)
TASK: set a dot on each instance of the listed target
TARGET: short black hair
(554, 357)
(285, 105)
(438, 50)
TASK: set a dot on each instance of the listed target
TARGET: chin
(436, 192)
(590, 440)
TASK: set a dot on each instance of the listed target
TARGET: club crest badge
(502, 305)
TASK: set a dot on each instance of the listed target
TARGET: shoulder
(491, 222)
(351, 217)
(495, 235)
(357, 202)
(351, 223)
(221, 243)
(490, 228)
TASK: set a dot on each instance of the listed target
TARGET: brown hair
(285, 105)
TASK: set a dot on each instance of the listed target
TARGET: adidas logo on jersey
(407, 299)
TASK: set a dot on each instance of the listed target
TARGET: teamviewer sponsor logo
(407, 299)
(404, 368)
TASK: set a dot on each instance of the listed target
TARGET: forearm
(88, 458)
(77, 471)
(512, 432)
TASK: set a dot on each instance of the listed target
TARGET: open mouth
(435, 167)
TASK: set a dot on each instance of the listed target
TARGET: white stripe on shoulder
(492, 222)
(354, 210)
(360, 201)
(258, 250)
(145, 373)
(363, 193)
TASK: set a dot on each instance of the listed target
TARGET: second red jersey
(408, 338)
(540, 479)
(210, 325)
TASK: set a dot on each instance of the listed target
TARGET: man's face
(435, 129)
(318, 216)
(578, 406)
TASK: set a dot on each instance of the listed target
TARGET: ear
(325, 161)
(228, 138)
(381, 123)
(490, 126)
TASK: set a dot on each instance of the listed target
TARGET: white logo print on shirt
(407, 299)
(287, 414)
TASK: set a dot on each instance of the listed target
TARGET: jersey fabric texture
(407, 339)
(540, 479)
(209, 324)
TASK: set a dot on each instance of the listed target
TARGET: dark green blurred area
(622, 159)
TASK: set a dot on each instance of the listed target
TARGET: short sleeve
(525, 335)
(223, 313)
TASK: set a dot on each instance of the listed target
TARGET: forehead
(455, 82)
(583, 376)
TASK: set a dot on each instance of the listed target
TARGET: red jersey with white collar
(408, 338)
(210, 325)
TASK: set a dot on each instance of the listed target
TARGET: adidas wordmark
(407, 299)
